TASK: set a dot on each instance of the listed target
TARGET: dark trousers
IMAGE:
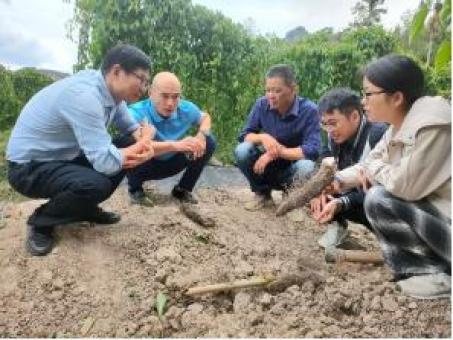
(156, 169)
(74, 189)
(354, 214)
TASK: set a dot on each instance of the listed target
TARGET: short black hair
(283, 71)
(342, 99)
(127, 56)
(397, 73)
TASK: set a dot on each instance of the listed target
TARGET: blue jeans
(156, 169)
(278, 175)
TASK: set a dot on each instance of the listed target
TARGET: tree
(368, 12)
(218, 61)
(433, 20)
(296, 34)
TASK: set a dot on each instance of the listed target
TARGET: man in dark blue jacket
(351, 136)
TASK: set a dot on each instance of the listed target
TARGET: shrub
(9, 103)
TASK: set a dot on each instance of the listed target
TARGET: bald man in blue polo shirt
(174, 151)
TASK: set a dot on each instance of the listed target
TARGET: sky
(33, 32)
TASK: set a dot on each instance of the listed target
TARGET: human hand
(329, 210)
(147, 131)
(137, 153)
(364, 180)
(191, 145)
(316, 205)
(271, 145)
(261, 163)
(201, 139)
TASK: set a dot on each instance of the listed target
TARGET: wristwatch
(205, 133)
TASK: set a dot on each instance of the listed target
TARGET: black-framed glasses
(372, 93)
(144, 81)
(330, 125)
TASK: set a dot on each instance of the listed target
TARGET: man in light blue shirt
(60, 148)
(172, 118)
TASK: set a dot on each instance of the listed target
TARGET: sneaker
(40, 240)
(428, 286)
(334, 235)
(259, 202)
(183, 195)
(100, 216)
(140, 198)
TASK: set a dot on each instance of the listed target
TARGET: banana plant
(433, 18)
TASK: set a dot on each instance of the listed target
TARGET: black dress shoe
(100, 216)
(40, 240)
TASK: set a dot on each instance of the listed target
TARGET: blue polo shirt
(299, 127)
(173, 128)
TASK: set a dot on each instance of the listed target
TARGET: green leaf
(202, 238)
(161, 302)
(445, 14)
(443, 55)
(418, 21)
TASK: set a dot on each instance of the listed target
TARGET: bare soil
(102, 281)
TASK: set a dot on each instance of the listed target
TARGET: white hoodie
(414, 162)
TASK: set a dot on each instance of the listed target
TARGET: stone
(174, 312)
(278, 309)
(376, 303)
(330, 279)
(168, 254)
(174, 324)
(265, 299)
(412, 305)
(294, 290)
(196, 308)
(161, 275)
(241, 302)
(58, 284)
(243, 268)
(389, 304)
(45, 277)
(55, 295)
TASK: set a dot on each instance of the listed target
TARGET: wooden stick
(360, 256)
(193, 213)
(221, 287)
(302, 193)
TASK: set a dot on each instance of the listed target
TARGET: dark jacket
(351, 152)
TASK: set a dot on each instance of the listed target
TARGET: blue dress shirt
(299, 127)
(70, 117)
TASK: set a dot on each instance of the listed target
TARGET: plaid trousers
(414, 236)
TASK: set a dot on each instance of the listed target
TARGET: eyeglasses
(371, 93)
(144, 81)
(330, 125)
